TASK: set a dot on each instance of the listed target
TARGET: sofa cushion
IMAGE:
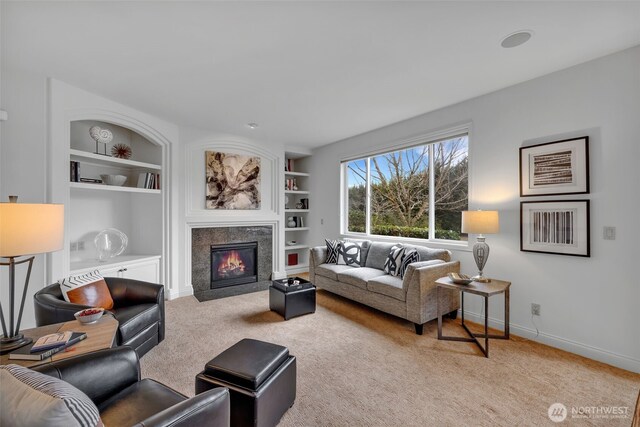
(135, 318)
(31, 398)
(330, 271)
(359, 276)
(410, 256)
(332, 251)
(349, 254)
(390, 286)
(378, 253)
(393, 263)
(428, 254)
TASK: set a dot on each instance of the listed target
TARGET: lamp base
(480, 279)
(7, 345)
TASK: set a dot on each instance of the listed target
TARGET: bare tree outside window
(400, 189)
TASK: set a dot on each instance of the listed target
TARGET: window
(416, 192)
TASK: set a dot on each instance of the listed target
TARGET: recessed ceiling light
(516, 39)
(252, 125)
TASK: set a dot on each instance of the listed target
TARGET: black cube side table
(292, 301)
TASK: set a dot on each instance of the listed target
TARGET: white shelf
(296, 173)
(104, 187)
(296, 210)
(297, 267)
(113, 262)
(295, 247)
(297, 229)
(295, 192)
(100, 159)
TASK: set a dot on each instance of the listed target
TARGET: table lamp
(480, 223)
(25, 229)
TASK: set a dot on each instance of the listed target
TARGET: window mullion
(368, 199)
(432, 195)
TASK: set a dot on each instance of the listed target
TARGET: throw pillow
(409, 257)
(87, 289)
(332, 251)
(349, 254)
(32, 398)
(394, 260)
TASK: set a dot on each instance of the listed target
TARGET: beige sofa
(412, 298)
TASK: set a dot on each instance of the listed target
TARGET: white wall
(589, 305)
(194, 143)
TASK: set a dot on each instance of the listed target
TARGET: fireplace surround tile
(201, 241)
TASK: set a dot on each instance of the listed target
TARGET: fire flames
(231, 265)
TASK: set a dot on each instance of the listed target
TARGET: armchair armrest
(133, 292)
(211, 408)
(127, 292)
(99, 374)
(421, 290)
(50, 307)
(317, 255)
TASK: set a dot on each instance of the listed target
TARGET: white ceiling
(309, 73)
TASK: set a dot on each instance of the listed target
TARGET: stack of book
(47, 346)
(149, 180)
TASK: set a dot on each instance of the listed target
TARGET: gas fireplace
(234, 264)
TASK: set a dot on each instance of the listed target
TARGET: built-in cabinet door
(147, 272)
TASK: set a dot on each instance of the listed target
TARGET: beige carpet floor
(360, 367)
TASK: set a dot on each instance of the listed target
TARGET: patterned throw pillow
(409, 257)
(36, 399)
(349, 254)
(87, 289)
(394, 260)
(332, 251)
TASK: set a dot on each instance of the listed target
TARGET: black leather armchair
(111, 379)
(138, 306)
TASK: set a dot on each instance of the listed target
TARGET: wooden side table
(485, 290)
(100, 335)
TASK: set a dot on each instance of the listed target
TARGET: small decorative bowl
(89, 315)
(291, 243)
(117, 180)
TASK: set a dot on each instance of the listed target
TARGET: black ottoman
(261, 378)
(292, 301)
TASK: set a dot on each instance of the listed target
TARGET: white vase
(291, 223)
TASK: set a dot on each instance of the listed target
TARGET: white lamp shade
(30, 228)
(480, 222)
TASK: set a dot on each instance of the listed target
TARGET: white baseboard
(181, 292)
(614, 359)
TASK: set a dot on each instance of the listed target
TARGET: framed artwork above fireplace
(233, 181)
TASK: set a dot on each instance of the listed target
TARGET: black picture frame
(557, 177)
(559, 227)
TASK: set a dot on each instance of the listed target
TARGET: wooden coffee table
(485, 290)
(100, 335)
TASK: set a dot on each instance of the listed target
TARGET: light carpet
(360, 367)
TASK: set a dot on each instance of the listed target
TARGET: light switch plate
(609, 233)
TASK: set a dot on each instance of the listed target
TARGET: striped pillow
(30, 398)
(87, 289)
(409, 257)
(332, 251)
(394, 260)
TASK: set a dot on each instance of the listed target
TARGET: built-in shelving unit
(297, 206)
(136, 211)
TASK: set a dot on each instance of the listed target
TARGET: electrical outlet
(321, 221)
(535, 309)
(73, 246)
(81, 245)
